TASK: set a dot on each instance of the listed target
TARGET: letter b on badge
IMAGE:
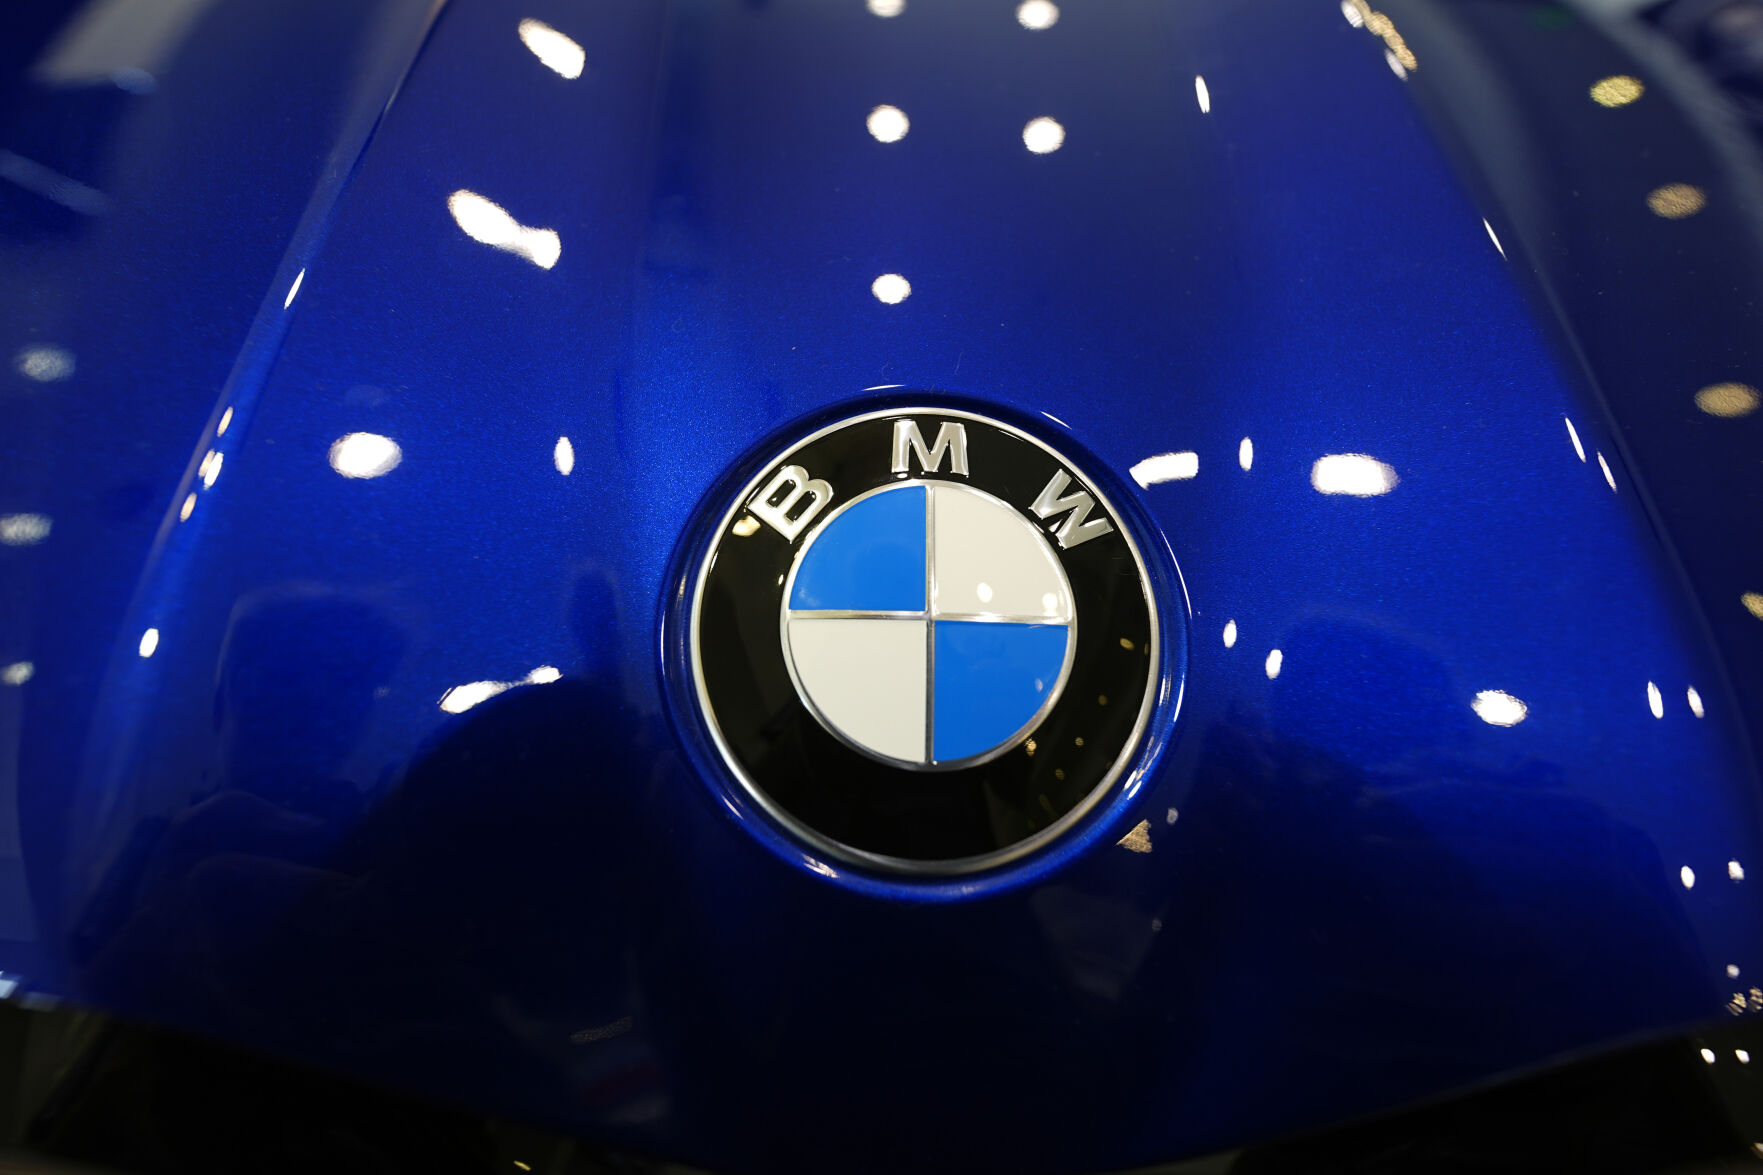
(780, 502)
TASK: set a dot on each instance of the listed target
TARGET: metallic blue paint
(410, 786)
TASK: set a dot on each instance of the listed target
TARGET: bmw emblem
(923, 641)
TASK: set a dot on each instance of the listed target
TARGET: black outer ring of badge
(928, 823)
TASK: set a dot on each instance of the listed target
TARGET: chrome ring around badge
(928, 656)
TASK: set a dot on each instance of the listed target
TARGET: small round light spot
(563, 456)
(1618, 90)
(984, 592)
(1687, 876)
(45, 364)
(1230, 634)
(891, 289)
(1036, 15)
(1043, 136)
(149, 642)
(1498, 708)
(1275, 662)
(888, 124)
(365, 454)
(1732, 970)
(1728, 400)
(1676, 201)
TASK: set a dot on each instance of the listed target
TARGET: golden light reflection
(746, 525)
(1618, 90)
(365, 454)
(1728, 400)
(1381, 25)
(486, 221)
(1753, 602)
(1036, 15)
(1676, 201)
(1166, 467)
(1352, 473)
(891, 288)
(1139, 839)
(1498, 708)
(888, 124)
(1043, 135)
(559, 53)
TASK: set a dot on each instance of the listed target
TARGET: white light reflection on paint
(888, 124)
(1741, 1056)
(1352, 473)
(486, 221)
(1395, 64)
(1275, 662)
(1351, 12)
(1246, 453)
(24, 530)
(1609, 478)
(1492, 237)
(1732, 970)
(211, 468)
(1166, 467)
(559, 53)
(18, 673)
(1708, 1056)
(1036, 15)
(887, 8)
(45, 364)
(187, 509)
(1573, 435)
(1498, 708)
(294, 290)
(1735, 870)
(149, 642)
(1687, 876)
(461, 698)
(1202, 95)
(365, 454)
(1043, 136)
(1695, 701)
(891, 289)
(1655, 700)
(226, 420)
(1230, 634)
(563, 456)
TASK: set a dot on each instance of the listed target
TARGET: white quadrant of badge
(928, 624)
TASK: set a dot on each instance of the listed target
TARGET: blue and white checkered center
(928, 624)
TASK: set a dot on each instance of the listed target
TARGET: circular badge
(924, 641)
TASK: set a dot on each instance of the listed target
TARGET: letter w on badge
(1078, 527)
(951, 442)
(779, 503)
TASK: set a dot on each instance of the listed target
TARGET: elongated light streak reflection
(1202, 94)
(486, 221)
(563, 456)
(1498, 708)
(294, 290)
(1573, 435)
(1246, 453)
(1356, 474)
(561, 54)
(1166, 467)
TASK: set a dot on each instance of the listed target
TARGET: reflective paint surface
(350, 484)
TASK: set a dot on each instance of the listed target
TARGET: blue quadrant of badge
(868, 559)
(989, 679)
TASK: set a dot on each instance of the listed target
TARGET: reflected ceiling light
(890, 288)
(1230, 634)
(294, 290)
(1695, 700)
(888, 124)
(1655, 700)
(1708, 1055)
(1202, 95)
(1753, 601)
(1171, 816)
(1352, 473)
(1395, 64)
(1741, 1056)
(1676, 201)
(1037, 14)
(1275, 662)
(1732, 971)
(1735, 870)
(149, 642)
(746, 526)
(1246, 453)
(365, 454)
(1139, 839)
(1687, 876)
(461, 698)
(559, 53)
(1618, 90)
(1728, 400)
(211, 468)
(563, 456)
(1043, 136)
(1609, 478)
(1166, 467)
(887, 8)
(18, 673)
(486, 221)
(1492, 237)
(1573, 435)
(226, 420)
(1498, 708)
(24, 530)
(1352, 13)
(45, 364)
(187, 509)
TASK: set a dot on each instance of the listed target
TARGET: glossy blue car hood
(356, 727)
